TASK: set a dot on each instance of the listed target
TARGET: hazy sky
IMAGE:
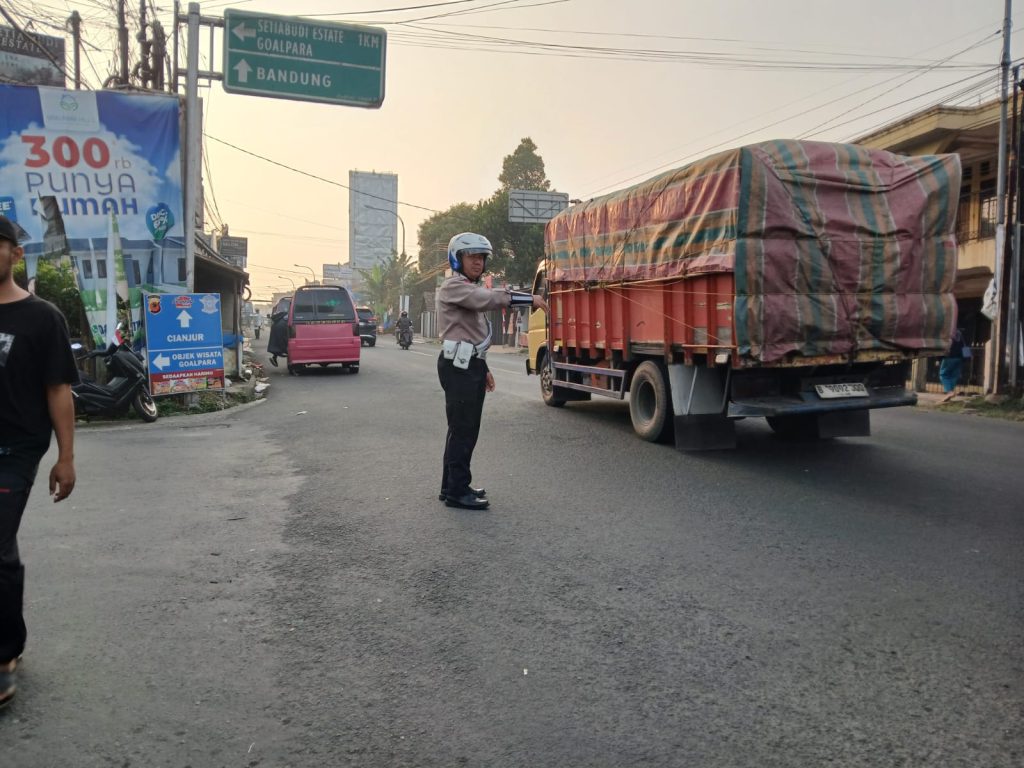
(462, 91)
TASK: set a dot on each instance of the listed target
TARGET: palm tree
(384, 283)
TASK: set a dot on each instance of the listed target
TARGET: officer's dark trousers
(15, 485)
(464, 391)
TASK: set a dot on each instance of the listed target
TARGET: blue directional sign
(184, 342)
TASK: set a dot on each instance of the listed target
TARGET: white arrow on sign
(243, 69)
(161, 361)
(184, 318)
(241, 32)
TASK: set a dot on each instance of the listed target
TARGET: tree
(517, 247)
(384, 283)
(524, 168)
(435, 232)
(55, 282)
(375, 287)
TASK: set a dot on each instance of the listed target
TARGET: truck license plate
(830, 391)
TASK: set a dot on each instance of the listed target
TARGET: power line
(977, 87)
(755, 44)
(294, 218)
(318, 178)
(275, 269)
(437, 37)
(388, 10)
(734, 139)
(979, 123)
(904, 82)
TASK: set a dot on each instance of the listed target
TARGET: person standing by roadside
(462, 365)
(257, 323)
(277, 341)
(952, 364)
(37, 369)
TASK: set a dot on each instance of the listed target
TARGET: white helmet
(467, 241)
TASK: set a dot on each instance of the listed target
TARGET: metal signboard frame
(234, 249)
(288, 57)
(531, 206)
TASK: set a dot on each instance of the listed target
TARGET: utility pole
(174, 47)
(995, 364)
(1013, 303)
(145, 47)
(193, 141)
(76, 35)
(159, 53)
(122, 41)
(193, 132)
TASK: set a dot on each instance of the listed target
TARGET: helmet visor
(474, 251)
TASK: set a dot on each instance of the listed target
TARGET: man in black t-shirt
(37, 369)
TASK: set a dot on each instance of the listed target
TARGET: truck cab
(537, 328)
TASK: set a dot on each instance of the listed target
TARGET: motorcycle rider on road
(403, 326)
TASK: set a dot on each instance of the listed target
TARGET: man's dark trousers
(15, 485)
(464, 391)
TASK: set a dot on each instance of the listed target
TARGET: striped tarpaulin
(835, 248)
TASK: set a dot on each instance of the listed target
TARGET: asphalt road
(278, 585)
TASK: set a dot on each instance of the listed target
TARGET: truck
(789, 280)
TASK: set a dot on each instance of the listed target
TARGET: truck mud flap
(704, 432)
(814, 426)
(844, 424)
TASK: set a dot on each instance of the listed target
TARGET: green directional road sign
(293, 58)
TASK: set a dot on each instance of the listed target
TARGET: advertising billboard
(29, 58)
(372, 219)
(108, 165)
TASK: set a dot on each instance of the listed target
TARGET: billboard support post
(193, 143)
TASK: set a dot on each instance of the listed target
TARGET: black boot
(480, 493)
(467, 501)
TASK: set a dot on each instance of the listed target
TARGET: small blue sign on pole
(184, 342)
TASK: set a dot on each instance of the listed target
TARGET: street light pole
(302, 266)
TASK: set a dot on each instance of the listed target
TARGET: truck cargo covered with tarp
(834, 249)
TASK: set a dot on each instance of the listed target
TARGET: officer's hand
(490, 381)
(62, 480)
(539, 303)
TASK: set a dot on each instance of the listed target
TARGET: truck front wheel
(547, 377)
(650, 404)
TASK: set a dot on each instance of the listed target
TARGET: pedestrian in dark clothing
(277, 342)
(462, 365)
(37, 369)
(951, 368)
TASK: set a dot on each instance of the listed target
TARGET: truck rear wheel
(547, 378)
(650, 403)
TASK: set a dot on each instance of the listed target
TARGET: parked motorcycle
(404, 337)
(128, 385)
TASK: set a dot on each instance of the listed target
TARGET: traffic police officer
(462, 366)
